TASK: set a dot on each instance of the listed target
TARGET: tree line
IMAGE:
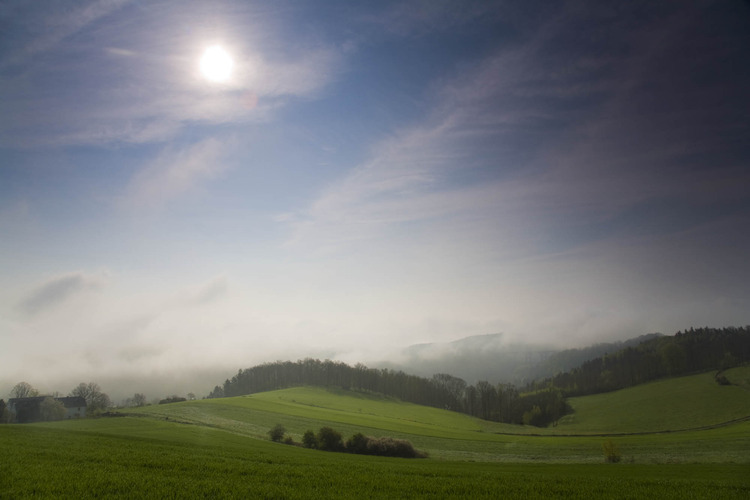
(691, 351)
(539, 403)
(50, 408)
(497, 402)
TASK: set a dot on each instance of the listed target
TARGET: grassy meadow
(146, 458)
(220, 448)
(664, 405)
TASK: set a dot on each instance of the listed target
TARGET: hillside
(665, 405)
(671, 404)
(220, 448)
(451, 435)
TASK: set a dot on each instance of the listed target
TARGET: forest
(691, 351)
(501, 402)
(540, 403)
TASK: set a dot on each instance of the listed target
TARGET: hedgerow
(328, 439)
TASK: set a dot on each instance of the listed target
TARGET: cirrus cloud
(56, 291)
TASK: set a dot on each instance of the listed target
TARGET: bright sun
(216, 64)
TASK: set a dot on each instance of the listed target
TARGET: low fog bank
(498, 358)
(119, 387)
(491, 357)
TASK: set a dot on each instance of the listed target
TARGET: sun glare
(216, 64)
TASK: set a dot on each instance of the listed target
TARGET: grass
(220, 448)
(665, 405)
(144, 458)
(739, 376)
(454, 436)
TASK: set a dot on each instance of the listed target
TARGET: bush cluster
(722, 379)
(328, 439)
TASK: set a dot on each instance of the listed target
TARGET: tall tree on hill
(451, 387)
(96, 400)
(139, 399)
(487, 399)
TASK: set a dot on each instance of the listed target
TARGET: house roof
(68, 402)
(72, 401)
(22, 401)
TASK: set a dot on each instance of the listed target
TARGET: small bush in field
(357, 444)
(391, 447)
(277, 433)
(611, 453)
(330, 439)
(309, 440)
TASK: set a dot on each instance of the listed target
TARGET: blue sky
(371, 175)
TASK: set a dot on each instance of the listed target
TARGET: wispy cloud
(542, 133)
(209, 292)
(419, 17)
(57, 290)
(175, 172)
(147, 85)
(121, 52)
(462, 160)
(46, 28)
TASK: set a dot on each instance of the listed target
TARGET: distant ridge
(493, 358)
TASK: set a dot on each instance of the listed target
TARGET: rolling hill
(632, 415)
(671, 404)
(220, 448)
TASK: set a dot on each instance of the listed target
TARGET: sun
(216, 64)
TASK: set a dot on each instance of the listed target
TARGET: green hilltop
(696, 406)
(220, 448)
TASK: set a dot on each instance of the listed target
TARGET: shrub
(391, 447)
(309, 440)
(357, 444)
(722, 380)
(611, 453)
(330, 439)
(172, 399)
(289, 440)
(277, 433)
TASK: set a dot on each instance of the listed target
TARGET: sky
(364, 176)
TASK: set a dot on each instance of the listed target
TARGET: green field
(220, 448)
(141, 458)
(665, 405)
(739, 376)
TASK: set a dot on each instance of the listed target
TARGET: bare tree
(23, 390)
(96, 400)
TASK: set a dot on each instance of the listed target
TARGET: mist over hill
(491, 357)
